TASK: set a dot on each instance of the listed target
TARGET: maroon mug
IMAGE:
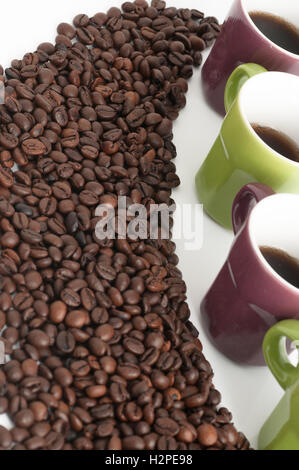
(248, 296)
(240, 41)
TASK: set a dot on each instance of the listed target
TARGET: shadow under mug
(240, 41)
(239, 156)
(281, 430)
(248, 296)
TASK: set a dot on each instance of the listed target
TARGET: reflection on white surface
(250, 393)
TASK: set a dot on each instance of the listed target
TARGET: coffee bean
(39, 411)
(3, 405)
(33, 280)
(5, 438)
(129, 371)
(8, 141)
(31, 237)
(33, 147)
(63, 376)
(66, 30)
(24, 419)
(6, 178)
(65, 342)
(106, 272)
(70, 298)
(167, 427)
(114, 444)
(136, 118)
(118, 393)
(108, 364)
(39, 339)
(105, 332)
(30, 367)
(207, 435)
(102, 355)
(10, 240)
(76, 319)
(133, 443)
(106, 113)
(58, 312)
(134, 346)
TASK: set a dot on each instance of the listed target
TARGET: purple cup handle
(247, 198)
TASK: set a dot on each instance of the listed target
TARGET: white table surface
(250, 393)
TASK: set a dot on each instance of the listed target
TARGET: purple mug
(248, 296)
(241, 42)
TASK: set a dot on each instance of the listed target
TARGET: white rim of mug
(256, 247)
(248, 124)
(257, 30)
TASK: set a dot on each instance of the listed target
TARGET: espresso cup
(241, 41)
(248, 296)
(239, 156)
(281, 431)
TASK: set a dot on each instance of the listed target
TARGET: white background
(250, 393)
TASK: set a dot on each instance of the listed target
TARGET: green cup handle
(237, 79)
(276, 355)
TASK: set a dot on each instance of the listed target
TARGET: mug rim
(248, 124)
(255, 245)
(262, 35)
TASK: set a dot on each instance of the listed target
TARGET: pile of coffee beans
(100, 351)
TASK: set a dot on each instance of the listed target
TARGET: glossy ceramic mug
(239, 156)
(241, 41)
(281, 431)
(248, 296)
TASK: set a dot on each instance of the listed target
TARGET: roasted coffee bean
(31, 237)
(167, 427)
(6, 178)
(5, 438)
(24, 418)
(136, 118)
(33, 147)
(133, 443)
(118, 393)
(129, 371)
(207, 435)
(8, 141)
(33, 280)
(58, 312)
(134, 346)
(106, 113)
(70, 298)
(106, 272)
(65, 342)
(39, 339)
(66, 30)
(102, 355)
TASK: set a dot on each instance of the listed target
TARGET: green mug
(239, 156)
(281, 431)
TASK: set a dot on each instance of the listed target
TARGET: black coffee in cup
(285, 265)
(278, 141)
(278, 30)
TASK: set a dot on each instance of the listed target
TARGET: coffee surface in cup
(278, 30)
(284, 264)
(278, 141)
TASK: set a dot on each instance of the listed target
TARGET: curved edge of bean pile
(100, 350)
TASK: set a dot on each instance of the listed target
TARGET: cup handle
(276, 355)
(246, 199)
(237, 79)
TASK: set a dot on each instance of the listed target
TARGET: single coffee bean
(207, 435)
(39, 339)
(33, 147)
(65, 342)
(5, 438)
